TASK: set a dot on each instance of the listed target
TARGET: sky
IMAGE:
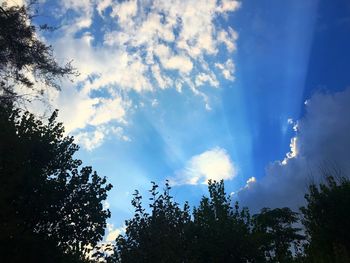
(252, 92)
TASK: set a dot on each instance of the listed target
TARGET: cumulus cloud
(322, 140)
(213, 164)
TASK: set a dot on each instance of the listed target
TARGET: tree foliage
(281, 238)
(215, 232)
(24, 58)
(222, 233)
(326, 218)
(45, 194)
(157, 236)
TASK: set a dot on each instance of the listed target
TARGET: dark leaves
(43, 190)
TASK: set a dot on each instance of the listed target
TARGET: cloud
(142, 46)
(90, 140)
(13, 2)
(203, 78)
(113, 232)
(228, 5)
(229, 38)
(251, 181)
(107, 110)
(154, 103)
(124, 11)
(90, 120)
(213, 164)
(93, 139)
(322, 141)
(171, 35)
(102, 6)
(168, 60)
(163, 81)
(227, 69)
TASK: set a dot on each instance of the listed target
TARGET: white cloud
(125, 11)
(108, 110)
(90, 140)
(13, 2)
(113, 232)
(171, 61)
(228, 5)
(163, 81)
(202, 78)
(251, 181)
(322, 141)
(142, 27)
(229, 38)
(293, 150)
(103, 5)
(213, 164)
(142, 46)
(78, 110)
(181, 63)
(227, 69)
(106, 205)
(154, 103)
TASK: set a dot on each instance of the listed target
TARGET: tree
(156, 237)
(24, 58)
(223, 233)
(47, 200)
(215, 233)
(326, 218)
(280, 239)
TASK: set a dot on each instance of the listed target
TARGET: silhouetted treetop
(155, 236)
(24, 58)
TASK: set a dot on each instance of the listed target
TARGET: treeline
(217, 231)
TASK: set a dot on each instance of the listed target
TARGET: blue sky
(193, 90)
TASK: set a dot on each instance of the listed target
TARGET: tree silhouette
(326, 218)
(24, 58)
(281, 240)
(218, 232)
(223, 233)
(158, 236)
(45, 195)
